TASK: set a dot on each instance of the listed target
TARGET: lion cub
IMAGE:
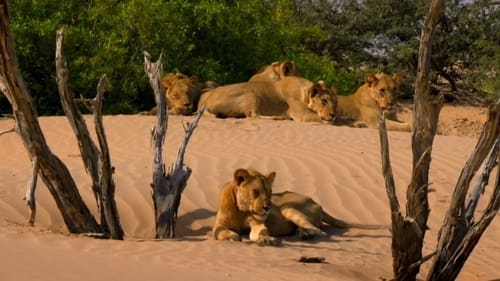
(247, 205)
(244, 204)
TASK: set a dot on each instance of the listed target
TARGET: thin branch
(189, 131)
(386, 166)
(30, 190)
(423, 260)
(482, 182)
(13, 129)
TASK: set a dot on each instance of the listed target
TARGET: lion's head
(182, 93)
(383, 89)
(323, 101)
(253, 192)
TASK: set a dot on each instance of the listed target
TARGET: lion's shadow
(184, 223)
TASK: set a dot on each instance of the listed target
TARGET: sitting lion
(276, 71)
(244, 204)
(370, 100)
(247, 205)
(292, 97)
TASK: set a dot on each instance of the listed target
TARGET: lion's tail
(332, 221)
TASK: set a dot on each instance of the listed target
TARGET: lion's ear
(398, 78)
(334, 90)
(193, 79)
(241, 176)
(315, 90)
(270, 178)
(287, 68)
(168, 79)
(371, 80)
(276, 66)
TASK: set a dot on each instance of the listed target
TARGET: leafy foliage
(333, 40)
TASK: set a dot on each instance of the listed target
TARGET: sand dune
(337, 166)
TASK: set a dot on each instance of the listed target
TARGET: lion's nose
(266, 208)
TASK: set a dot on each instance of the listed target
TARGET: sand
(339, 167)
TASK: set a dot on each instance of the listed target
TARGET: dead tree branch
(13, 129)
(167, 187)
(54, 173)
(88, 149)
(30, 190)
(409, 230)
(96, 162)
(481, 183)
(458, 236)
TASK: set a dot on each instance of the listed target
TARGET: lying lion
(183, 93)
(370, 100)
(276, 71)
(292, 97)
(247, 206)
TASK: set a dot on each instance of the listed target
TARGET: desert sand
(339, 167)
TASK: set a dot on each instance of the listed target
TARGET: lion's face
(253, 192)
(323, 101)
(181, 92)
(383, 89)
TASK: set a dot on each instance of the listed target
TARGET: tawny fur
(247, 206)
(183, 93)
(377, 95)
(244, 204)
(276, 71)
(291, 97)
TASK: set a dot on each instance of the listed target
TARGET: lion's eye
(324, 101)
(382, 92)
(255, 193)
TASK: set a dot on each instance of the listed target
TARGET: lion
(292, 97)
(377, 95)
(248, 206)
(182, 93)
(244, 204)
(276, 71)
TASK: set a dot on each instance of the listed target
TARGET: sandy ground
(337, 166)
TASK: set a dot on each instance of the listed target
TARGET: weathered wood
(30, 190)
(404, 228)
(167, 187)
(53, 172)
(458, 236)
(481, 183)
(409, 230)
(96, 160)
(106, 182)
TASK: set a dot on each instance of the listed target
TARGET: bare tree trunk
(167, 187)
(54, 173)
(459, 234)
(97, 162)
(409, 231)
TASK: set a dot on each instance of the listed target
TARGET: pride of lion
(248, 206)
(277, 92)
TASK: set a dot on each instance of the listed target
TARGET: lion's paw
(232, 237)
(267, 241)
(309, 233)
(360, 125)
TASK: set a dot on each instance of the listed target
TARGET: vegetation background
(228, 41)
